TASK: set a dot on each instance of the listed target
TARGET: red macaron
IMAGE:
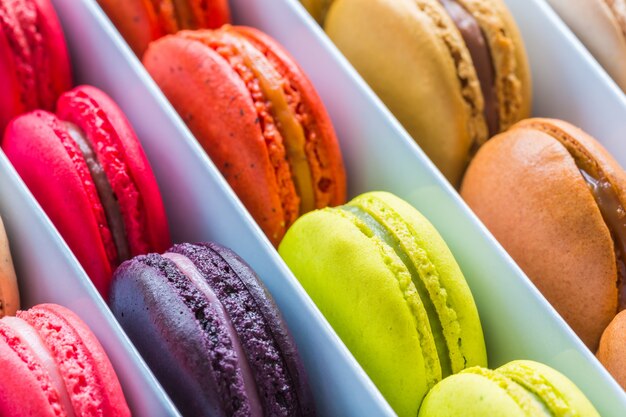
(86, 168)
(258, 117)
(142, 21)
(54, 366)
(34, 62)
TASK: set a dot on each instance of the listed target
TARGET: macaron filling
(294, 140)
(478, 47)
(538, 385)
(384, 234)
(614, 216)
(187, 267)
(268, 88)
(531, 404)
(110, 204)
(29, 337)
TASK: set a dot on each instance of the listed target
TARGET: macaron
(601, 27)
(554, 198)
(54, 366)
(142, 21)
(453, 72)
(211, 333)
(257, 116)
(387, 283)
(34, 62)
(87, 170)
(9, 293)
(518, 389)
(612, 349)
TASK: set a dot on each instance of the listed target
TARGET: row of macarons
(240, 54)
(478, 76)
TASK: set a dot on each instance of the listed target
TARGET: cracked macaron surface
(258, 118)
(387, 283)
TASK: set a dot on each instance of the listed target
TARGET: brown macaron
(555, 198)
(612, 350)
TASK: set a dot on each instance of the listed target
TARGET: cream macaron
(454, 72)
(601, 27)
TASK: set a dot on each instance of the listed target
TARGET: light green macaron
(519, 388)
(390, 287)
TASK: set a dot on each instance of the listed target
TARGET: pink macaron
(86, 168)
(55, 366)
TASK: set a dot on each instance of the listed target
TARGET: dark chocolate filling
(107, 196)
(615, 218)
(479, 50)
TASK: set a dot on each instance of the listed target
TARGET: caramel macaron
(555, 198)
(454, 72)
(612, 350)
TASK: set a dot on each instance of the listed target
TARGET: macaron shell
(583, 146)
(612, 350)
(9, 293)
(323, 151)
(457, 309)
(398, 50)
(526, 188)
(34, 64)
(15, 66)
(143, 301)
(470, 395)
(125, 162)
(233, 139)
(136, 20)
(366, 298)
(53, 61)
(595, 24)
(509, 58)
(88, 374)
(275, 325)
(50, 174)
(557, 385)
(28, 391)
(242, 296)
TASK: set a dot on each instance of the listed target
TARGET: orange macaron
(555, 199)
(257, 116)
(142, 21)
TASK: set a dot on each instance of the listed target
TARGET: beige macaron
(527, 187)
(450, 88)
(612, 350)
(601, 27)
(9, 295)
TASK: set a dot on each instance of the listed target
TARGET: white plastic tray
(518, 322)
(49, 273)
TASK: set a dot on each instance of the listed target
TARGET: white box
(517, 320)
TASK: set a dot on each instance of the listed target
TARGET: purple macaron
(211, 333)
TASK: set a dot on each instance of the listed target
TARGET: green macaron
(390, 287)
(519, 388)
